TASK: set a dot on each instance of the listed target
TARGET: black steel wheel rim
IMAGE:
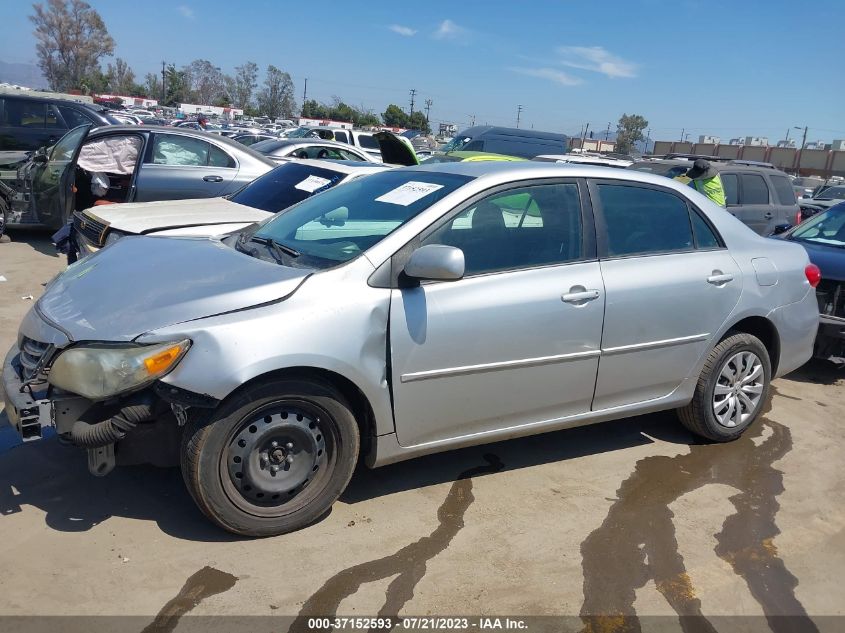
(277, 459)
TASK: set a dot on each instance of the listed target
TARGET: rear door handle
(717, 278)
(580, 296)
(768, 215)
(213, 178)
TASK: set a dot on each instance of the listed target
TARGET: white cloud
(407, 31)
(551, 74)
(448, 30)
(596, 59)
(187, 12)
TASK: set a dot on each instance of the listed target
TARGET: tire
(709, 414)
(4, 218)
(273, 458)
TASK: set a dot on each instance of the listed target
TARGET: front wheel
(273, 459)
(731, 389)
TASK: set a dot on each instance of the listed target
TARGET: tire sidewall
(204, 477)
(727, 349)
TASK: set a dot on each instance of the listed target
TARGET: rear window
(783, 189)
(285, 186)
(754, 189)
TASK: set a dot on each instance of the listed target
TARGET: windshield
(456, 143)
(826, 228)
(341, 223)
(286, 185)
(832, 193)
(301, 132)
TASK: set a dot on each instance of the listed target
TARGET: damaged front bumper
(28, 407)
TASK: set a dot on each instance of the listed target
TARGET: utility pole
(518, 114)
(413, 94)
(607, 133)
(305, 92)
(473, 120)
(804, 140)
(584, 136)
(163, 92)
(683, 129)
(647, 139)
(428, 103)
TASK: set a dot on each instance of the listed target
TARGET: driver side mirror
(436, 262)
(40, 158)
(781, 228)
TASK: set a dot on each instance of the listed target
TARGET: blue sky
(722, 67)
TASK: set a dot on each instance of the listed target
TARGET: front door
(670, 285)
(53, 181)
(755, 206)
(516, 341)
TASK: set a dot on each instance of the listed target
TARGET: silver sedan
(413, 311)
(276, 149)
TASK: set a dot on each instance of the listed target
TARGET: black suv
(758, 194)
(30, 121)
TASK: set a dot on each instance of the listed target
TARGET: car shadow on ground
(38, 240)
(817, 372)
(54, 478)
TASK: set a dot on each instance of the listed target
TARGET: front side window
(73, 117)
(731, 186)
(341, 136)
(341, 223)
(519, 228)
(754, 189)
(644, 221)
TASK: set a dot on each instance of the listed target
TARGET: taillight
(813, 274)
(798, 218)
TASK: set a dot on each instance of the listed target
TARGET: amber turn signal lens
(162, 361)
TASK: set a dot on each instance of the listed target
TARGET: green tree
(395, 116)
(241, 86)
(205, 82)
(120, 77)
(276, 99)
(71, 37)
(176, 87)
(152, 86)
(417, 121)
(629, 131)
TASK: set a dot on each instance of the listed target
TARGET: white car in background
(599, 160)
(289, 183)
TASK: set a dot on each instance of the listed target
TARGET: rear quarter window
(783, 189)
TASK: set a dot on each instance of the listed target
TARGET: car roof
(530, 169)
(342, 166)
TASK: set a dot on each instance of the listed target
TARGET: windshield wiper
(279, 249)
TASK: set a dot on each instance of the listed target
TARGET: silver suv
(412, 311)
(759, 194)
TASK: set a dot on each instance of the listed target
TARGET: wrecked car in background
(264, 364)
(127, 163)
(278, 189)
(823, 237)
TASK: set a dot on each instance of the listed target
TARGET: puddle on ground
(409, 562)
(205, 583)
(636, 542)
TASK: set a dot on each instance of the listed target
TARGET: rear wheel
(731, 389)
(272, 460)
(4, 218)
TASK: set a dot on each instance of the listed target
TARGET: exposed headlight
(113, 236)
(98, 372)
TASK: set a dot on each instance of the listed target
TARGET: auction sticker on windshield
(312, 183)
(408, 193)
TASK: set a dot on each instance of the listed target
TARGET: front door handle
(579, 294)
(719, 279)
(213, 178)
(768, 215)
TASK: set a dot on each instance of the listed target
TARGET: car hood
(829, 259)
(139, 284)
(821, 204)
(143, 217)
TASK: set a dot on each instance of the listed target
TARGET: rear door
(787, 209)
(755, 206)
(179, 166)
(28, 124)
(670, 283)
(53, 181)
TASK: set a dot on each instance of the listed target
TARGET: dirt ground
(624, 518)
